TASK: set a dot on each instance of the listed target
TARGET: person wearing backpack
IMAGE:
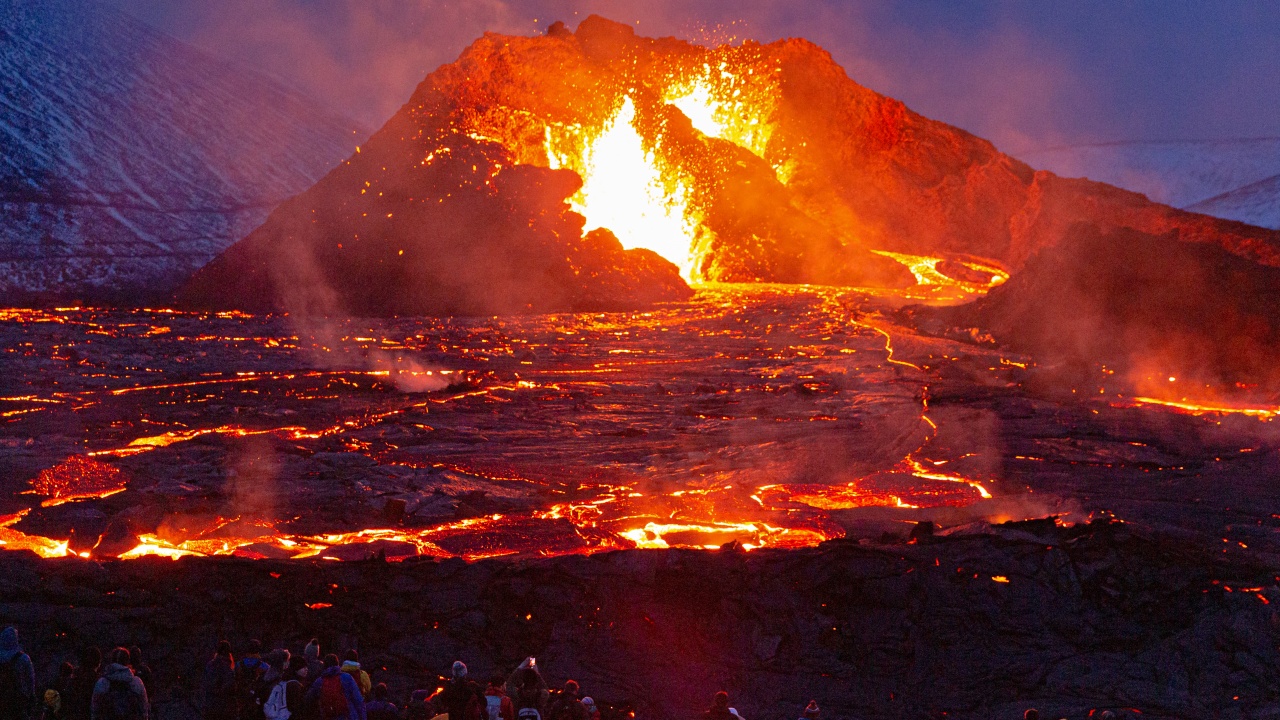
(568, 704)
(351, 666)
(461, 697)
(528, 691)
(335, 693)
(274, 695)
(119, 694)
(17, 679)
(497, 705)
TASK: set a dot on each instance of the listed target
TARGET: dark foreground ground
(978, 624)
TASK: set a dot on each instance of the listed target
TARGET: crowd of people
(97, 688)
(279, 685)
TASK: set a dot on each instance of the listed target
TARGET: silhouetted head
(90, 658)
(330, 660)
(721, 700)
(380, 691)
(353, 655)
(65, 670)
(9, 645)
(120, 656)
(224, 648)
(255, 647)
(1031, 714)
(496, 681)
(459, 669)
(811, 710)
(571, 687)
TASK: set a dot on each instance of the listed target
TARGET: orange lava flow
(11, 539)
(1265, 413)
(77, 478)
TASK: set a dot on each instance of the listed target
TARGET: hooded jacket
(11, 652)
(506, 710)
(355, 701)
(363, 681)
(115, 672)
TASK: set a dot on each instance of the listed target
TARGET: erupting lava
(623, 189)
(638, 185)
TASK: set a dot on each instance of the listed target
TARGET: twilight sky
(1026, 74)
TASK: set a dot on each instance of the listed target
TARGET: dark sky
(1026, 74)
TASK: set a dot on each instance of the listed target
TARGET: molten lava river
(767, 415)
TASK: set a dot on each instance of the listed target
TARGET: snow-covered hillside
(1232, 179)
(129, 159)
(1257, 203)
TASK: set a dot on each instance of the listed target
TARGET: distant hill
(1230, 179)
(129, 159)
(1257, 203)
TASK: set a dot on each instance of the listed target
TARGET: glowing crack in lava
(685, 426)
(624, 191)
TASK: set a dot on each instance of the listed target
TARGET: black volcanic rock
(1149, 304)
(975, 625)
(433, 224)
(129, 159)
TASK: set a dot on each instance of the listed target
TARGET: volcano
(748, 163)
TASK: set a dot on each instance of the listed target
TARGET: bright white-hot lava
(624, 191)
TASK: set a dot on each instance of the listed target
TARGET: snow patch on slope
(1224, 178)
(129, 159)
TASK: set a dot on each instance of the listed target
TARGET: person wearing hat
(461, 697)
(593, 712)
(810, 711)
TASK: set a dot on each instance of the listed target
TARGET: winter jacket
(505, 708)
(381, 710)
(535, 696)
(352, 668)
(355, 701)
(315, 667)
(461, 699)
(119, 674)
(219, 702)
(23, 706)
(567, 707)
